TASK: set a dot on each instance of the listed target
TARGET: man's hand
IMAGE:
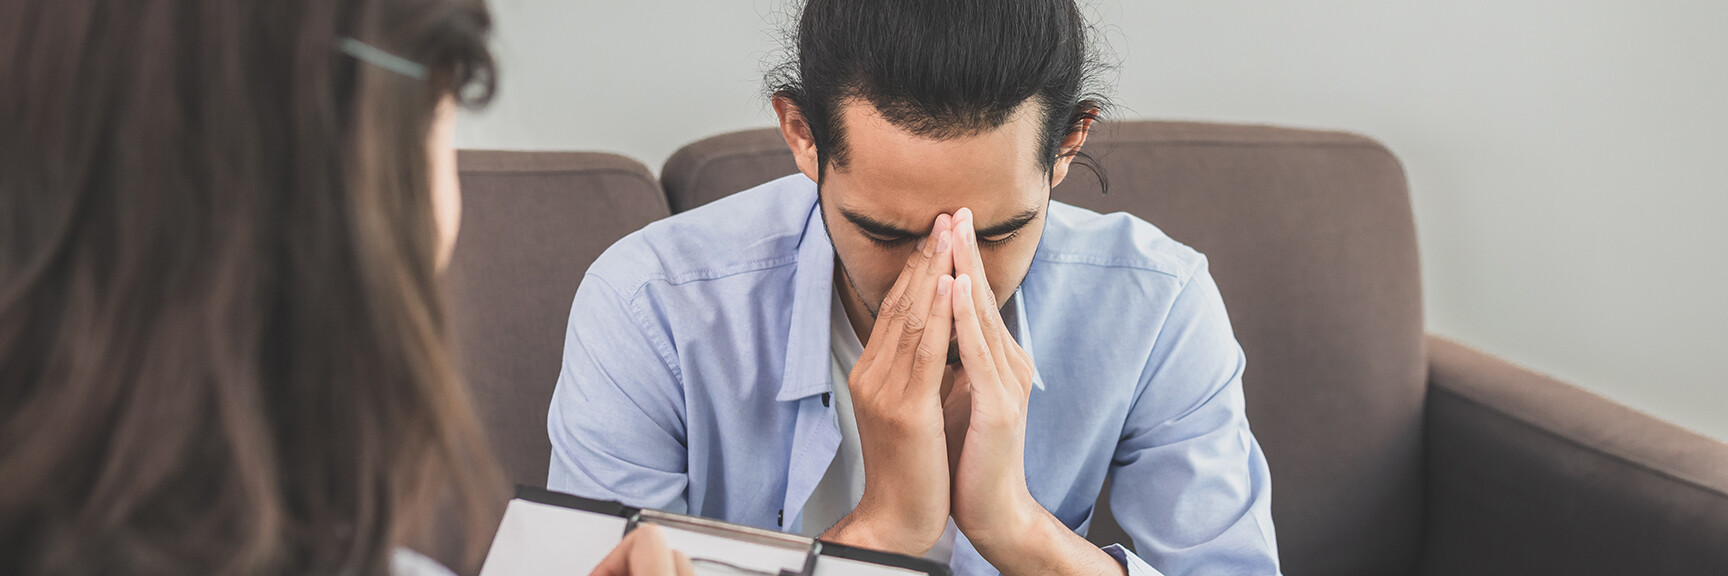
(895, 389)
(991, 502)
(990, 494)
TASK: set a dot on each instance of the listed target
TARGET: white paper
(832, 566)
(716, 555)
(541, 539)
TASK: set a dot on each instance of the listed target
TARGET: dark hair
(223, 345)
(942, 68)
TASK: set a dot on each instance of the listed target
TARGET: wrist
(1015, 524)
(870, 527)
(1022, 539)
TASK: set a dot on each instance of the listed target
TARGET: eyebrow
(888, 230)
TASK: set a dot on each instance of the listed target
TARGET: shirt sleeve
(616, 419)
(1135, 566)
(1189, 483)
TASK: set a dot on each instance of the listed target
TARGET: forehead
(895, 176)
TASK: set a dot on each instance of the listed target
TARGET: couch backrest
(532, 222)
(1312, 242)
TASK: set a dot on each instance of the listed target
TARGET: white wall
(1569, 160)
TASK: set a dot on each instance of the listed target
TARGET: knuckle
(909, 344)
(902, 306)
(927, 354)
(914, 325)
(981, 354)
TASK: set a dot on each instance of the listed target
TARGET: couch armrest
(1530, 475)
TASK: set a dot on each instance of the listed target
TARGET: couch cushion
(1530, 475)
(532, 222)
(714, 167)
(1311, 239)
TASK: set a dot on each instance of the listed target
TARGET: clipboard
(545, 532)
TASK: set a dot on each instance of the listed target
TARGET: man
(908, 346)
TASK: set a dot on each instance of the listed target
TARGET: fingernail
(964, 285)
(921, 242)
(971, 237)
(944, 284)
(942, 242)
(963, 214)
(944, 222)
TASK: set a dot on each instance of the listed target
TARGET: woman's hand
(644, 553)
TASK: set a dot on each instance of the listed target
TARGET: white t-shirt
(840, 488)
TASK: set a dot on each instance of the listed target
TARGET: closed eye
(999, 240)
(1000, 234)
(893, 242)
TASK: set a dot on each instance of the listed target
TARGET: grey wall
(1569, 160)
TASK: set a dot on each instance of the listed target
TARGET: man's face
(895, 184)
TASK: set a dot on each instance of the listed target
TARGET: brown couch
(1392, 451)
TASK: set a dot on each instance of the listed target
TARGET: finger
(975, 355)
(930, 355)
(616, 563)
(966, 258)
(918, 320)
(970, 262)
(1021, 362)
(904, 320)
(956, 416)
(682, 562)
(890, 310)
(650, 556)
(884, 308)
(636, 554)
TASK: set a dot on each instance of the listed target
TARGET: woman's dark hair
(941, 68)
(223, 345)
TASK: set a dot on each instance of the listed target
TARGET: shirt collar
(806, 370)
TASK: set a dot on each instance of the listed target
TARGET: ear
(1070, 146)
(796, 130)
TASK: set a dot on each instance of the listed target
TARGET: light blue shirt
(697, 360)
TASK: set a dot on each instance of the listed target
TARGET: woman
(223, 346)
